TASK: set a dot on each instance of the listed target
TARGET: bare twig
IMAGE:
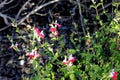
(105, 6)
(41, 14)
(40, 2)
(9, 1)
(22, 8)
(19, 21)
(2, 3)
(1, 29)
(11, 7)
(81, 16)
(5, 2)
(35, 10)
(5, 17)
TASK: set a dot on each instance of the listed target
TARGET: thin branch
(81, 16)
(40, 2)
(9, 1)
(35, 10)
(5, 17)
(22, 8)
(41, 14)
(5, 2)
(11, 7)
(1, 29)
(2, 3)
(105, 6)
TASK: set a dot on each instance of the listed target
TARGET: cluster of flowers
(70, 61)
(53, 29)
(38, 32)
(33, 55)
(113, 75)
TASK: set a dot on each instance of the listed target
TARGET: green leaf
(99, 4)
(49, 67)
(55, 56)
(93, 6)
(54, 39)
(71, 51)
(53, 76)
(72, 77)
(46, 79)
(62, 78)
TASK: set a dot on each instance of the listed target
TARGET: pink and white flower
(41, 34)
(53, 29)
(70, 61)
(56, 33)
(57, 24)
(30, 55)
(65, 61)
(113, 75)
(33, 55)
(38, 32)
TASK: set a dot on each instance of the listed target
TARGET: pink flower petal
(114, 77)
(10, 47)
(41, 35)
(37, 54)
(31, 56)
(65, 61)
(37, 30)
(71, 59)
(59, 25)
(56, 33)
(53, 29)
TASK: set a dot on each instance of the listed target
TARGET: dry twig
(22, 8)
(5, 17)
(17, 20)
(35, 10)
(81, 16)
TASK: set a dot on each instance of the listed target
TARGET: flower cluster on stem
(53, 28)
(38, 32)
(70, 61)
(33, 55)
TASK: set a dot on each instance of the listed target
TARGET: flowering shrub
(51, 60)
(91, 62)
(60, 55)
